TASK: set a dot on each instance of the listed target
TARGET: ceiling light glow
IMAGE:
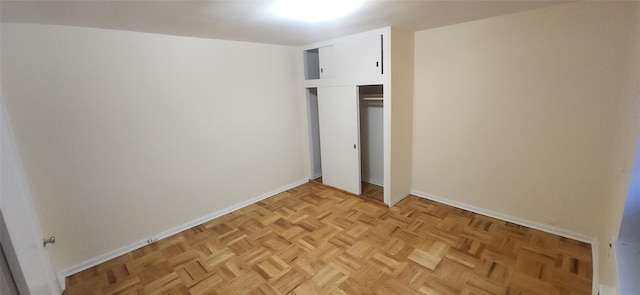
(314, 10)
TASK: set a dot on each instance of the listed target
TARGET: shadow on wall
(630, 227)
(628, 244)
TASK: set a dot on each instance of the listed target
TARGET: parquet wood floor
(315, 240)
(369, 190)
(372, 191)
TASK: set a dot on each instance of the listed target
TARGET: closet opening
(327, 121)
(371, 106)
(314, 134)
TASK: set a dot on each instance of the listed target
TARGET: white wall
(518, 115)
(124, 134)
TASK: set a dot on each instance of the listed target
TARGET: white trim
(62, 281)
(141, 243)
(532, 224)
(614, 250)
(33, 259)
(627, 265)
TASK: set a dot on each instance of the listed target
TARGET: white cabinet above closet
(327, 61)
(360, 59)
(319, 63)
(354, 60)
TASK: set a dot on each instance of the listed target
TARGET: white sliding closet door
(340, 137)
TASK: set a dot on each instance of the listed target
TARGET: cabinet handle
(377, 64)
(321, 70)
(354, 145)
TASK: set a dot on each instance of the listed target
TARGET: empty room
(320, 147)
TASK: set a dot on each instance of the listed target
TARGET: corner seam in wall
(396, 201)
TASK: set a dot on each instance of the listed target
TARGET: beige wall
(402, 46)
(520, 115)
(124, 135)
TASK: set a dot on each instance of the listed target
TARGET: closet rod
(372, 97)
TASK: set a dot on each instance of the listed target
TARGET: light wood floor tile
(316, 240)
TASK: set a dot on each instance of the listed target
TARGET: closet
(357, 138)
(371, 134)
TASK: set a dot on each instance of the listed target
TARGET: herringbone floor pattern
(316, 240)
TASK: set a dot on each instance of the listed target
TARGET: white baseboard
(372, 181)
(509, 218)
(141, 243)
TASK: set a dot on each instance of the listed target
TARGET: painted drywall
(124, 135)
(518, 115)
(400, 108)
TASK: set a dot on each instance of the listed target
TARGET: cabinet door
(327, 62)
(360, 59)
(340, 137)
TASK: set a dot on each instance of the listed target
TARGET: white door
(340, 137)
(326, 59)
(360, 59)
(22, 223)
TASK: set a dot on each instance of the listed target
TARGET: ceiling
(244, 20)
